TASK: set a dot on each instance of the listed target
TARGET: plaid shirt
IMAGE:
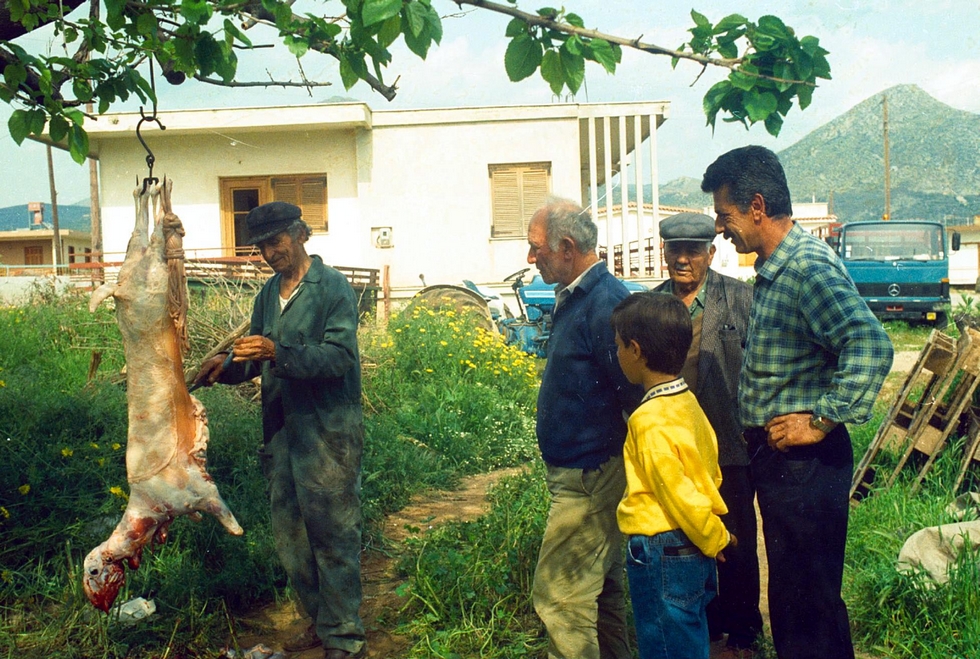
(813, 344)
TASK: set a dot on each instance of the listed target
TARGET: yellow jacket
(672, 473)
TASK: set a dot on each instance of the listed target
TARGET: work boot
(305, 640)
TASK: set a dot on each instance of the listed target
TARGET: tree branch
(271, 83)
(636, 44)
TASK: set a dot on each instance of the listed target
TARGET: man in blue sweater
(578, 582)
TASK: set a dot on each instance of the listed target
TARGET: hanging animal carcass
(168, 432)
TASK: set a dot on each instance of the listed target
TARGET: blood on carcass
(168, 431)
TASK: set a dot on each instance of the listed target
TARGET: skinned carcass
(168, 432)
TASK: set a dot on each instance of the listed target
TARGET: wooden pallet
(926, 377)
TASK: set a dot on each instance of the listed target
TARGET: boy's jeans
(671, 583)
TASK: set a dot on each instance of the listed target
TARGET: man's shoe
(337, 653)
(303, 641)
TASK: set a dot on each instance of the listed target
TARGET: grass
(442, 400)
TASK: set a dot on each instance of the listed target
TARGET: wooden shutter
(307, 192)
(516, 191)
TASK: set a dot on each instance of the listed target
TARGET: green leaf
(729, 22)
(232, 31)
(810, 45)
(414, 13)
(114, 13)
(784, 70)
(81, 89)
(742, 81)
(17, 9)
(71, 34)
(347, 75)
(78, 144)
(516, 27)
(390, 30)
(805, 94)
(296, 45)
(59, 128)
(146, 25)
(19, 126)
(36, 120)
(573, 45)
(228, 64)
(714, 98)
(548, 12)
(434, 23)
(727, 48)
(75, 115)
(574, 19)
(418, 44)
(523, 57)
(773, 124)
(375, 11)
(573, 66)
(208, 53)
(604, 54)
(759, 105)
(774, 26)
(551, 71)
(14, 75)
(195, 11)
(700, 19)
(821, 68)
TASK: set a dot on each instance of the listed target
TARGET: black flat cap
(267, 220)
(692, 227)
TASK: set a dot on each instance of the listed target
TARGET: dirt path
(276, 623)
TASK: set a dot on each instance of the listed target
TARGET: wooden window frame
(266, 186)
(517, 190)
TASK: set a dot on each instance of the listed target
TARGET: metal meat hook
(150, 159)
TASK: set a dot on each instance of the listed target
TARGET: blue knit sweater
(583, 391)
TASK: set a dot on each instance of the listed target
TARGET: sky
(873, 44)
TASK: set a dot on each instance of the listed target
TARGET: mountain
(933, 150)
(74, 217)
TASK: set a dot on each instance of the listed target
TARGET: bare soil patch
(274, 624)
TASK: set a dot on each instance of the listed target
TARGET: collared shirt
(562, 292)
(697, 306)
(813, 344)
(672, 474)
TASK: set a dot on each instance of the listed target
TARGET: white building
(446, 193)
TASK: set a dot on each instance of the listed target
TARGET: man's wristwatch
(822, 423)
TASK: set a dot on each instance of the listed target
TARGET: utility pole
(95, 213)
(888, 167)
(54, 213)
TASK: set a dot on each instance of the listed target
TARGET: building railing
(642, 263)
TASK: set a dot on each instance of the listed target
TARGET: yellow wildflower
(429, 370)
(25, 488)
(118, 491)
(4, 512)
(422, 330)
(67, 452)
(116, 446)
(93, 445)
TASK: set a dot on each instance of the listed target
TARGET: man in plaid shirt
(815, 359)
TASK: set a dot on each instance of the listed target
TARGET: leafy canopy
(98, 48)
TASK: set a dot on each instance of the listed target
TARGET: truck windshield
(892, 242)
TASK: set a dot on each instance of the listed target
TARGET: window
(516, 191)
(33, 255)
(240, 195)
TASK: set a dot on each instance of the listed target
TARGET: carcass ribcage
(168, 433)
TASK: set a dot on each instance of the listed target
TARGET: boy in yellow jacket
(670, 511)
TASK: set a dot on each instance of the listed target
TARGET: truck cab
(901, 269)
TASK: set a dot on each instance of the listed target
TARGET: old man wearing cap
(719, 307)
(303, 343)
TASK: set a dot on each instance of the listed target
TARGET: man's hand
(732, 542)
(254, 349)
(792, 430)
(211, 370)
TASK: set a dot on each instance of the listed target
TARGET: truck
(900, 268)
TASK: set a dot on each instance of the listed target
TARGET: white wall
(196, 162)
(431, 185)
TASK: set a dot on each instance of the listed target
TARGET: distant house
(30, 241)
(445, 193)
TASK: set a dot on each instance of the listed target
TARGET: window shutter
(516, 192)
(309, 193)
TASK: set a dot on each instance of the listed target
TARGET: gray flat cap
(687, 226)
(265, 221)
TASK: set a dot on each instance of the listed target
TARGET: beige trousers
(578, 583)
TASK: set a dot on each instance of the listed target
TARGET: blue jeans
(671, 583)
